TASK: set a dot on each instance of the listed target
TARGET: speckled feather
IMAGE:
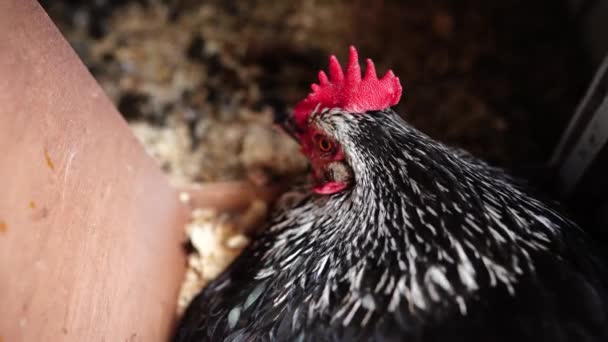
(429, 244)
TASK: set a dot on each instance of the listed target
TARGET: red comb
(349, 91)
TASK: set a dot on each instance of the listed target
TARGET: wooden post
(90, 229)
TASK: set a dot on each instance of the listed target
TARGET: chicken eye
(324, 144)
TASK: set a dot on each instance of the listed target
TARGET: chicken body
(427, 243)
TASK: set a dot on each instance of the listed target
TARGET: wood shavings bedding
(217, 239)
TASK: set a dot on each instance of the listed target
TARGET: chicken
(401, 238)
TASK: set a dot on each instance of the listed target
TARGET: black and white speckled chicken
(401, 239)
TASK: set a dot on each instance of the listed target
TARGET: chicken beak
(287, 125)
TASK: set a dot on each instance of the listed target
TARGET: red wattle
(330, 188)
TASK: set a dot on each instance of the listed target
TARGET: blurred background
(200, 81)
